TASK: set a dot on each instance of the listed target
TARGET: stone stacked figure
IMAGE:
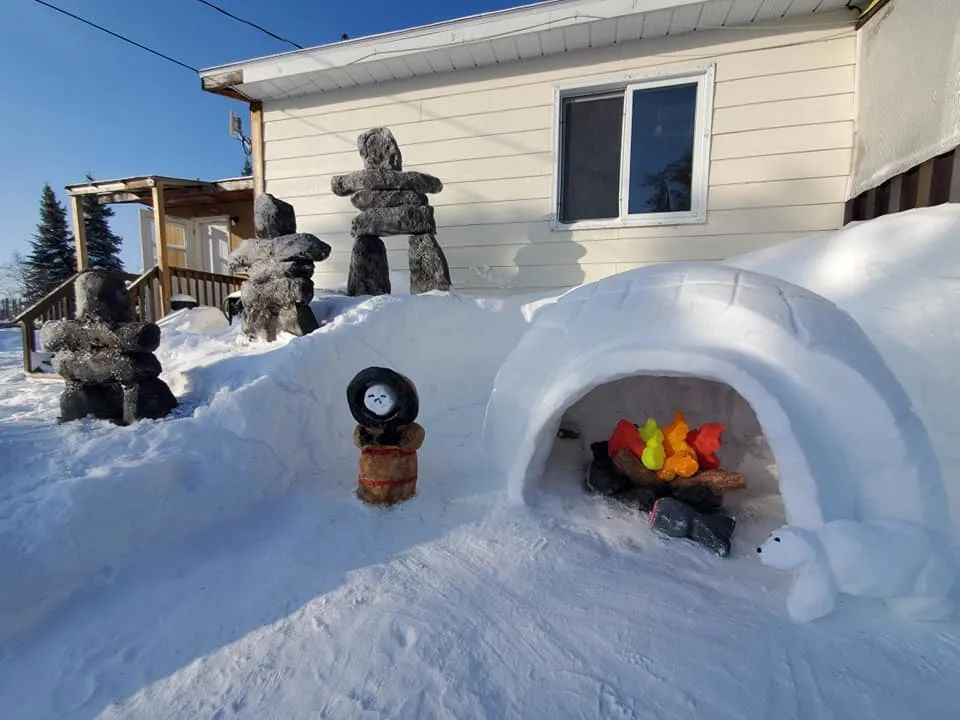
(391, 202)
(106, 357)
(279, 265)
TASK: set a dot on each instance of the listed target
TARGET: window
(635, 153)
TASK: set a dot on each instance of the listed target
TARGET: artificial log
(719, 481)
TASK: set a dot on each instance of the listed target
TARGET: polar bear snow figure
(889, 559)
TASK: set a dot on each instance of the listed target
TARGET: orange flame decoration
(672, 451)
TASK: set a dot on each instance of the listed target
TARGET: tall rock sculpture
(106, 357)
(391, 202)
(279, 265)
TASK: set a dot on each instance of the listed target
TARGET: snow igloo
(811, 407)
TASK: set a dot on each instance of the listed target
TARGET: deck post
(79, 231)
(256, 147)
(160, 238)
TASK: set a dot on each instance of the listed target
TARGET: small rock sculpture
(391, 202)
(385, 404)
(106, 357)
(279, 265)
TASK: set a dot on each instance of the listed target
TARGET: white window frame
(703, 76)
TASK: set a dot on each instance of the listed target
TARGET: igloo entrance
(757, 508)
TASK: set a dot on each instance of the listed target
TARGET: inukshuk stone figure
(106, 357)
(392, 202)
(279, 265)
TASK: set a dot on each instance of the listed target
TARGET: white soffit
(505, 36)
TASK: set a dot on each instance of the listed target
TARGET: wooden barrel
(388, 473)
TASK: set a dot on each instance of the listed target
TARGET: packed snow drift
(217, 563)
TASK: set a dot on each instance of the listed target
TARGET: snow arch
(846, 439)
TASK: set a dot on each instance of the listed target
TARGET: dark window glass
(661, 149)
(590, 158)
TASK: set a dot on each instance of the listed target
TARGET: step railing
(60, 303)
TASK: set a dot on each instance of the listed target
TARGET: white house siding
(781, 153)
(909, 89)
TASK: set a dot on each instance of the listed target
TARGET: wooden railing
(206, 287)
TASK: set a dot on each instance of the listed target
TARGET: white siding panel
(784, 113)
(781, 148)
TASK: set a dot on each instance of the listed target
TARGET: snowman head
(786, 549)
(380, 399)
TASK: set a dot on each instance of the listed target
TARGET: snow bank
(842, 430)
(254, 419)
(899, 277)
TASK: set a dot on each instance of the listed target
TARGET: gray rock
(102, 295)
(280, 291)
(379, 150)
(369, 271)
(99, 401)
(66, 334)
(403, 220)
(367, 199)
(428, 265)
(106, 366)
(350, 183)
(262, 272)
(297, 320)
(147, 399)
(273, 217)
(286, 248)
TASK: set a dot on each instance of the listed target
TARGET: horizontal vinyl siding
(781, 148)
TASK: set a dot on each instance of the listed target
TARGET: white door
(213, 238)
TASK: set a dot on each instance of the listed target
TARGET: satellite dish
(236, 126)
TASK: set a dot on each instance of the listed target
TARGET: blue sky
(77, 100)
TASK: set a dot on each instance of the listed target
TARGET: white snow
(216, 564)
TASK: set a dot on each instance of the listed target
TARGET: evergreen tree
(103, 246)
(51, 260)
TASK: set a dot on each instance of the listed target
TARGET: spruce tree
(103, 246)
(51, 260)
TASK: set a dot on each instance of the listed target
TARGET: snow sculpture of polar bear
(890, 559)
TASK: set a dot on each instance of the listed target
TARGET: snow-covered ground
(215, 564)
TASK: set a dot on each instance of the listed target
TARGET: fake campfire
(671, 472)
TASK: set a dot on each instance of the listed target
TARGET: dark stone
(262, 272)
(147, 399)
(428, 265)
(367, 199)
(699, 497)
(102, 295)
(379, 150)
(369, 272)
(297, 320)
(638, 498)
(713, 532)
(99, 401)
(65, 334)
(600, 450)
(287, 248)
(106, 366)
(604, 479)
(402, 220)
(350, 183)
(280, 290)
(273, 217)
(672, 517)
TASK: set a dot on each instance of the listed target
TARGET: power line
(118, 36)
(251, 24)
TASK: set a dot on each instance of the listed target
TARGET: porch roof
(177, 192)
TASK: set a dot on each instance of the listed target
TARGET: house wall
(781, 153)
(908, 89)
